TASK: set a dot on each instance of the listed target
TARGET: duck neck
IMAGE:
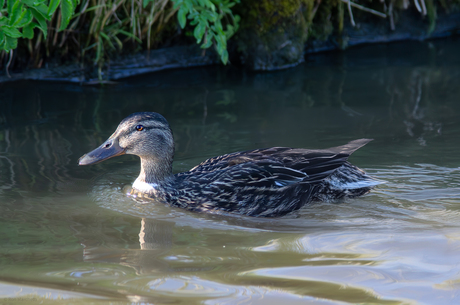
(154, 172)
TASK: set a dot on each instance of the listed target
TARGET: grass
(102, 28)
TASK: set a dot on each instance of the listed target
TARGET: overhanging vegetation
(33, 32)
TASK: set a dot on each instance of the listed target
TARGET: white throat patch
(144, 187)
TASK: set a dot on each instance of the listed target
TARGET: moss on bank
(273, 33)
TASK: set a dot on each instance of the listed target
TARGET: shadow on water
(69, 232)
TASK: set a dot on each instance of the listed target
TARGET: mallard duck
(262, 182)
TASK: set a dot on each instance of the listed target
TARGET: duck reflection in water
(263, 182)
(155, 241)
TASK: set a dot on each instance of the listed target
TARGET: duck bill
(106, 151)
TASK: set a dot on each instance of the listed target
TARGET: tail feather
(350, 147)
(367, 182)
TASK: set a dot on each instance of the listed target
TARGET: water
(70, 235)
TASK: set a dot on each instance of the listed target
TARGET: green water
(68, 234)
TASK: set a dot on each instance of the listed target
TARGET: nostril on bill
(107, 145)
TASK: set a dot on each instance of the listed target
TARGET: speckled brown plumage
(262, 182)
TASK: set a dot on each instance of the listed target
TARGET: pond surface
(70, 235)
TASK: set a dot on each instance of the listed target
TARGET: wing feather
(278, 166)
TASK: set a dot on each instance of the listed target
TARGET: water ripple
(419, 196)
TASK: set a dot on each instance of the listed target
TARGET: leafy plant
(94, 29)
(20, 17)
(208, 17)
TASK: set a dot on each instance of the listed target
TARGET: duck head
(144, 134)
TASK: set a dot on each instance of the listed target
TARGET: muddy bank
(139, 63)
(410, 26)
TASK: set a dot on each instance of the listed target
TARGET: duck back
(270, 182)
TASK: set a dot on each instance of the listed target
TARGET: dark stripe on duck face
(157, 128)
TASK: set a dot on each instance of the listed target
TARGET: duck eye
(139, 127)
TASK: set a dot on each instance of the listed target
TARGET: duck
(268, 182)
